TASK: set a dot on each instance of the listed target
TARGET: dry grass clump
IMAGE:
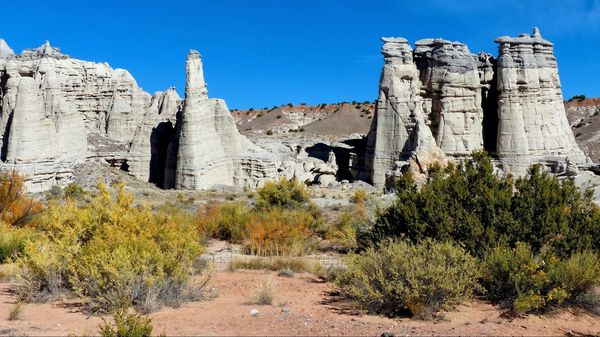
(276, 263)
(266, 292)
(16, 312)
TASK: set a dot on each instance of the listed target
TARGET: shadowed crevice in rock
(160, 139)
(489, 104)
(5, 137)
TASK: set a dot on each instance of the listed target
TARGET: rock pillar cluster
(512, 106)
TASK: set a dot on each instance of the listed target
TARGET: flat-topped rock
(532, 122)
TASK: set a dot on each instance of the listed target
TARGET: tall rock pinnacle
(194, 84)
(210, 148)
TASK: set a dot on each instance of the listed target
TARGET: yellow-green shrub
(527, 282)
(397, 277)
(283, 193)
(110, 252)
(12, 241)
(342, 232)
(126, 324)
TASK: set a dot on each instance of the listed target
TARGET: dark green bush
(473, 206)
(74, 191)
(398, 277)
(527, 282)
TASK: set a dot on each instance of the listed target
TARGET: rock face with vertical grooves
(451, 95)
(532, 122)
(512, 107)
(147, 155)
(436, 103)
(211, 151)
(75, 109)
(394, 136)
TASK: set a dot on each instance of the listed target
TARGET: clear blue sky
(268, 52)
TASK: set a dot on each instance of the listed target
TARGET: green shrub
(473, 206)
(12, 241)
(398, 277)
(282, 193)
(109, 252)
(126, 325)
(74, 191)
(527, 282)
(342, 232)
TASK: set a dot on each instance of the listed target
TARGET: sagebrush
(397, 278)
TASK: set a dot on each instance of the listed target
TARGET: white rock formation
(211, 151)
(147, 156)
(451, 94)
(83, 104)
(5, 50)
(446, 101)
(532, 122)
(393, 136)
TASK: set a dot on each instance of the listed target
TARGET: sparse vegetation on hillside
(576, 98)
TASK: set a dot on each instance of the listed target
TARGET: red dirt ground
(303, 305)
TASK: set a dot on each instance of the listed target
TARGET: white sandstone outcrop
(210, 149)
(442, 101)
(5, 50)
(451, 94)
(147, 156)
(532, 122)
(70, 107)
(394, 136)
